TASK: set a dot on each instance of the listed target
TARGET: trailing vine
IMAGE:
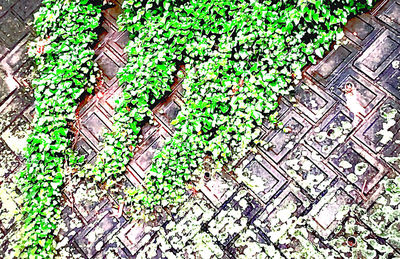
(146, 78)
(240, 56)
(64, 62)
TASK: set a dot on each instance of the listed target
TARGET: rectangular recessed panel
(382, 51)
(5, 89)
(390, 79)
(333, 61)
(365, 95)
(330, 128)
(379, 55)
(360, 168)
(394, 13)
(108, 66)
(360, 28)
(11, 29)
(367, 134)
(95, 125)
(256, 168)
(314, 103)
(328, 212)
(279, 140)
(145, 160)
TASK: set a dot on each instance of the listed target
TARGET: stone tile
(177, 85)
(135, 235)
(331, 208)
(308, 172)
(290, 195)
(94, 124)
(5, 6)
(168, 110)
(120, 41)
(332, 131)
(379, 54)
(258, 245)
(110, 96)
(9, 161)
(301, 241)
(182, 229)
(160, 248)
(24, 76)
(95, 235)
(282, 142)
(358, 166)
(113, 249)
(389, 14)
(234, 216)
(73, 223)
(108, 66)
(109, 63)
(84, 148)
(112, 13)
(261, 177)
(392, 150)
(287, 229)
(367, 134)
(134, 178)
(11, 109)
(362, 29)
(3, 49)
(19, 55)
(12, 30)
(366, 245)
(331, 66)
(312, 101)
(284, 107)
(85, 199)
(208, 247)
(29, 113)
(5, 88)
(326, 215)
(147, 131)
(16, 136)
(25, 9)
(219, 188)
(363, 95)
(380, 216)
(390, 79)
(7, 207)
(122, 183)
(142, 159)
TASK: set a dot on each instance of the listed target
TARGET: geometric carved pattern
(295, 169)
(379, 54)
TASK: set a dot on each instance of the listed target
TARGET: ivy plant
(64, 63)
(239, 57)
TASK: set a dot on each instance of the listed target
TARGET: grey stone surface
(318, 188)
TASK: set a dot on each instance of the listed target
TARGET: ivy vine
(64, 62)
(239, 57)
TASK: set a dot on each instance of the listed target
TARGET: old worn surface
(318, 188)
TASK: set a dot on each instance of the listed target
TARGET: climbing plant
(239, 57)
(65, 68)
(146, 77)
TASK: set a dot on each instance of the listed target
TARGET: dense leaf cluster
(146, 78)
(65, 65)
(240, 56)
